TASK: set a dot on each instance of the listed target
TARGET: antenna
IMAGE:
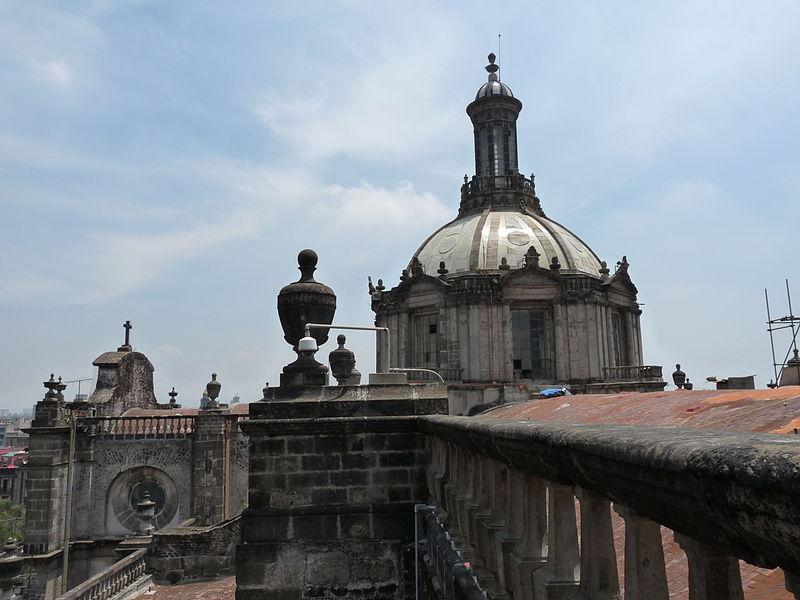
(790, 322)
(78, 381)
(498, 56)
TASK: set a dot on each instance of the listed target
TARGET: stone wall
(105, 470)
(184, 553)
(334, 476)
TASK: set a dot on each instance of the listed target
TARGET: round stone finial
(307, 263)
(307, 257)
(491, 67)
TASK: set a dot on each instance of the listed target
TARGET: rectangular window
(426, 341)
(619, 340)
(532, 345)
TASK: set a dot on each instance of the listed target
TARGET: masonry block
(334, 475)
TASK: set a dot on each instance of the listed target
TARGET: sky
(164, 163)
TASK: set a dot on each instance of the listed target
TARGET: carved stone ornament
(342, 361)
(213, 387)
(301, 302)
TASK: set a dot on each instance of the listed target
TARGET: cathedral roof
(479, 242)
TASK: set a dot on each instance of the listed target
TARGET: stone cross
(126, 347)
(128, 328)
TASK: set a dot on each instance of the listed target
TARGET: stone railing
(480, 185)
(507, 490)
(146, 427)
(632, 373)
(111, 582)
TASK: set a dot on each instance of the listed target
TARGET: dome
(480, 241)
(493, 88)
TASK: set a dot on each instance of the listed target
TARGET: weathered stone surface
(185, 553)
(734, 492)
(334, 475)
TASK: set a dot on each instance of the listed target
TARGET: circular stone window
(128, 489)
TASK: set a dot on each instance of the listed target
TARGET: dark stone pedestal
(334, 476)
(302, 380)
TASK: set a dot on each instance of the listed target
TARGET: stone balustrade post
(481, 523)
(645, 572)
(452, 489)
(435, 472)
(449, 488)
(464, 500)
(713, 575)
(559, 579)
(508, 521)
(599, 577)
(528, 514)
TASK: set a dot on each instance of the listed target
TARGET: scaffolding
(790, 322)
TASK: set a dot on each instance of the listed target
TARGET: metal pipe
(771, 340)
(67, 524)
(407, 369)
(310, 326)
(417, 508)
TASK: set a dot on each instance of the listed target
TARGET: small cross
(128, 328)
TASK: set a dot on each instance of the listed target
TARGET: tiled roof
(220, 589)
(773, 411)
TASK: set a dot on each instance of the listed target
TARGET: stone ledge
(733, 491)
(330, 426)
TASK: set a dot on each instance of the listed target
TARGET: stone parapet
(186, 552)
(727, 495)
(334, 476)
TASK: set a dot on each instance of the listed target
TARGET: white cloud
(122, 263)
(382, 105)
(368, 206)
(56, 71)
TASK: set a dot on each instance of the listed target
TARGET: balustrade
(139, 426)
(632, 373)
(507, 494)
(109, 583)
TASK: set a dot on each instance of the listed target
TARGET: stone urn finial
(146, 510)
(213, 387)
(343, 362)
(301, 302)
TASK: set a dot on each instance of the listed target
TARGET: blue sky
(164, 162)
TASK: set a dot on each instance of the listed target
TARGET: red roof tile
(774, 411)
(220, 589)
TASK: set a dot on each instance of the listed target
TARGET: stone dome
(479, 242)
